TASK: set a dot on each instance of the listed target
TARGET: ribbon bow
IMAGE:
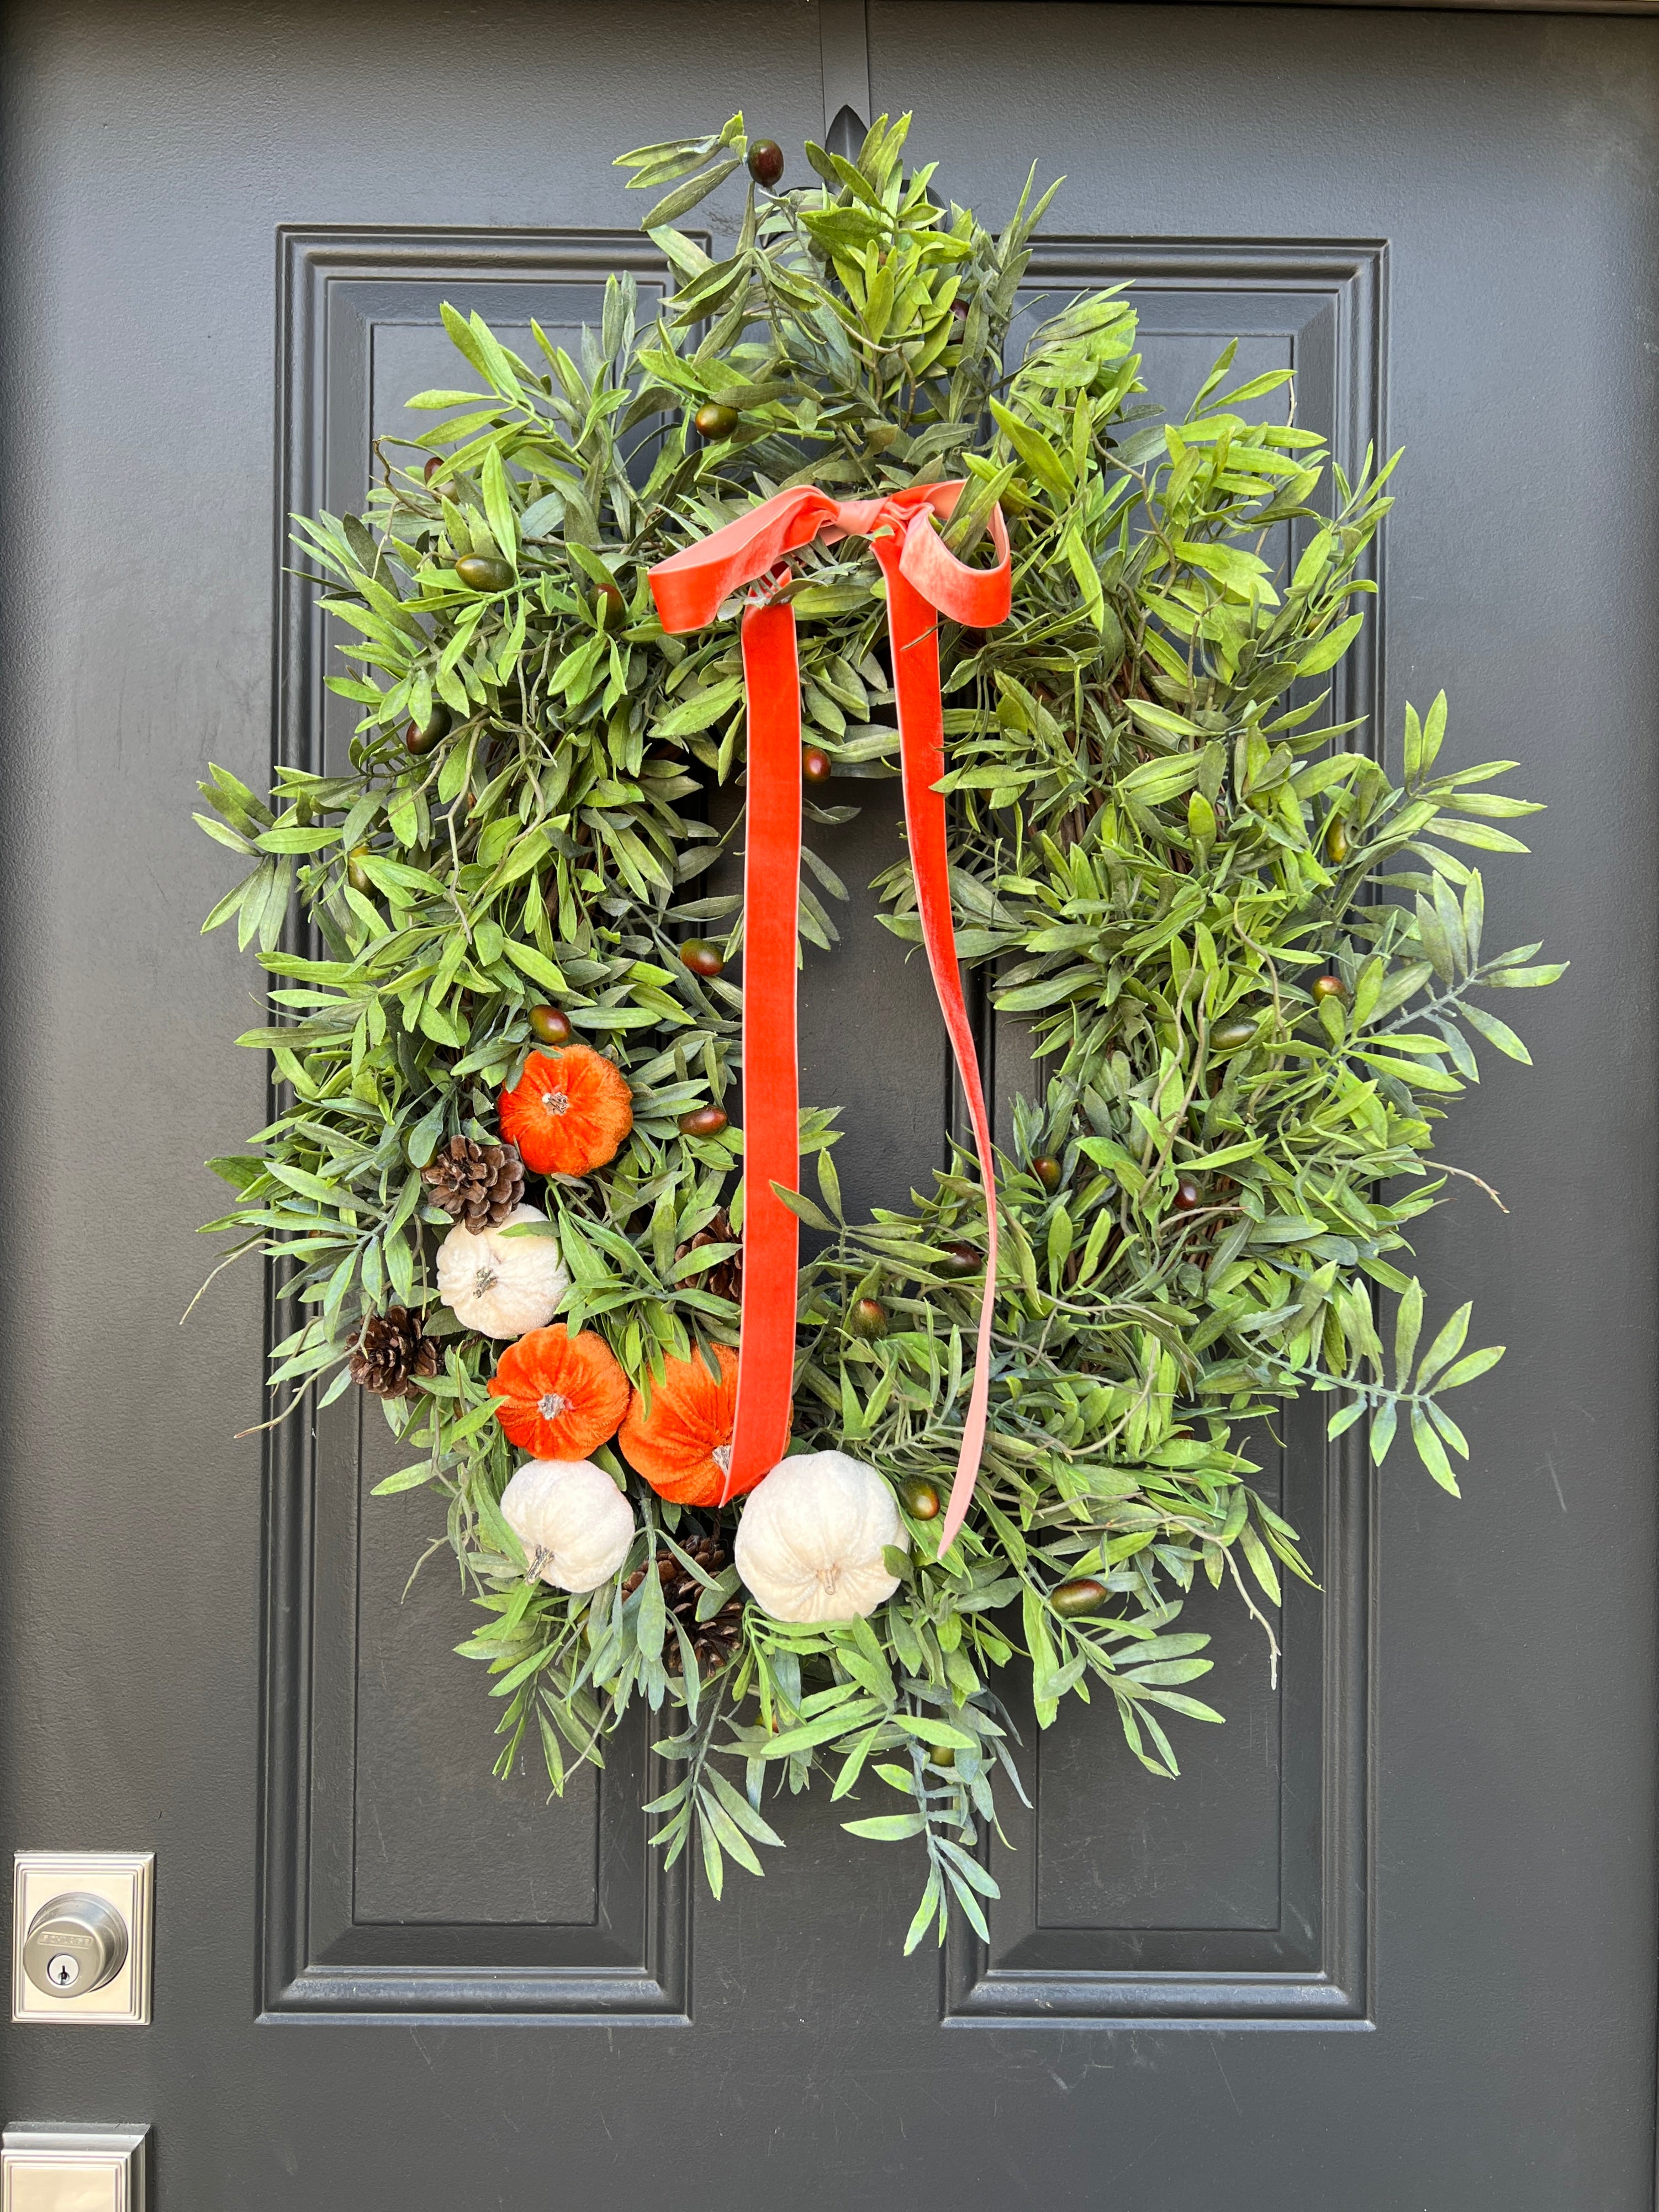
(924, 581)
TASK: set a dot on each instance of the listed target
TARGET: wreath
(503, 1186)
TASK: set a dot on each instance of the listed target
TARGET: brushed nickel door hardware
(82, 1935)
(76, 1942)
(72, 2169)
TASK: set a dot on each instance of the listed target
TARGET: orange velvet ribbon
(925, 580)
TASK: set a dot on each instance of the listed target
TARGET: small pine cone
(392, 1355)
(475, 1184)
(668, 1568)
(725, 1279)
(714, 1642)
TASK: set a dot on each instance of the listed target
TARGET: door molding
(1311, 1969)
(319, 1956)
(1307, 1964)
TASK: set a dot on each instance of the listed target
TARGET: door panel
(401, 1876)
(1244, 1892)
(1257, 1867)
(1388, 1943)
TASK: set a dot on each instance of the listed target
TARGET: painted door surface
(1389, 1943)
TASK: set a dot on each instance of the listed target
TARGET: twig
(1443, 1167)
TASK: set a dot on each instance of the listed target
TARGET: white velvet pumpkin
(502, 1285)
(810, 1542)
(574, 1522)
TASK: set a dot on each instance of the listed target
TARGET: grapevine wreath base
(816, 1512)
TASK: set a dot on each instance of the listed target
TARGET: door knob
(74, 1944)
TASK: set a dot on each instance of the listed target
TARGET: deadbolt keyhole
(75, 1943)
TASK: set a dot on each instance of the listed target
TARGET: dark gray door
(1389, 1944)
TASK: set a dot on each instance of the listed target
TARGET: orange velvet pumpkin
(682, 1442)
(559, 1397)
(568, 1112)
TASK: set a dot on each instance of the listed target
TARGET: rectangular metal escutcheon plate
(125, 1881)
(73, 2170)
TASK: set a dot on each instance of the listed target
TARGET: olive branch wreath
(1246, 958)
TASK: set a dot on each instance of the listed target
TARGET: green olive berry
(483, 572)
(942, 1755)
(356, 875)
(714, 421)
(704, 1122)
(1074, 1599)
(766, 162)
(1232, 1035)
(1329, 986)
(550, 1025)
(868, 1319)
(703, 958)
(1046, 1170)
(919, 1498)
(1336, 841)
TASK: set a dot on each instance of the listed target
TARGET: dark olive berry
(1232, 1035)
(438, 490)
(960, 1260)
(868, 1319)
(714, 421)
(1329, 986)
(421, 736)
(816, 765)
(483, 572)
(704, 1122)
(919, 1498)
(1336, 841)
(1189, 1194)
(356, 875)
(1074, 1599)
(766, 162)
(550, 1025)
(701, 957)
(1046, 1170)
(609, 606)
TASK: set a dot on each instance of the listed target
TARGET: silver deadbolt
(82, 1925)
(75, 1944)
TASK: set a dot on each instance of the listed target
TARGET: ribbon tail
(771, 1120)
(912, 627)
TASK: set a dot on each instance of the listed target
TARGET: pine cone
(392, 1355)
(714, 1642)
(725, 1279)
(477, 1184)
